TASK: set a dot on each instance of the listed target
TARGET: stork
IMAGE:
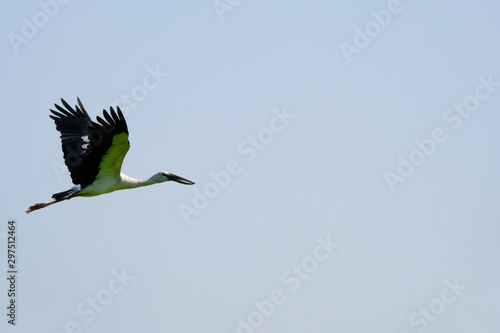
(94, 152)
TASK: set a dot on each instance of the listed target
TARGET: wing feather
(91, 149)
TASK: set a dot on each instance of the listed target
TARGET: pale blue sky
(317, 176)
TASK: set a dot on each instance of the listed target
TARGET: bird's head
(166, 176)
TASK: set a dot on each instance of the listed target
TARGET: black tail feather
(65, 194)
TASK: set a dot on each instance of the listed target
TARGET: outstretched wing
(91, 149)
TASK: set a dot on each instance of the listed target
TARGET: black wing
(84, 142)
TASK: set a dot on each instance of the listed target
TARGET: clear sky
(345, 155)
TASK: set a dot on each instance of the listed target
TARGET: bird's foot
(35, 207)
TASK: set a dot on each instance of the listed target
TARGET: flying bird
(94, 152)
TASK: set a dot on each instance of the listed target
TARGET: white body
(108, 184)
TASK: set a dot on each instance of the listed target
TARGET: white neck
(129, 182)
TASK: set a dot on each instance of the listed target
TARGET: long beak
(180, 180)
